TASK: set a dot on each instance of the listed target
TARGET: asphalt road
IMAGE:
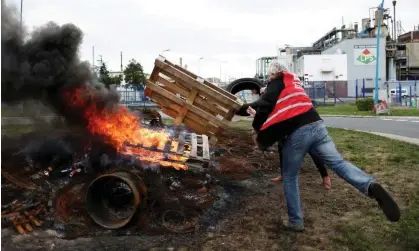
(402, 127)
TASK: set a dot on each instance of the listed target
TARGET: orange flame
(119, 127)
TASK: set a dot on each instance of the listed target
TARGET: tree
(134, 75)
(106, 78)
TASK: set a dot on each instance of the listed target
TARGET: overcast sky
(229, 34)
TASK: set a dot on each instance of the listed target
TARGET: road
(401, 127)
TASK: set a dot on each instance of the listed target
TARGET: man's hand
(251, 111)
(262, 90)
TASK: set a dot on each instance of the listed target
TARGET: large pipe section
(113, 199)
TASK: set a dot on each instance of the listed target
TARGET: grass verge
(352, 110)
(15, 130)
(357, 222)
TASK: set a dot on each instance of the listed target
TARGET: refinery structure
(347, 56)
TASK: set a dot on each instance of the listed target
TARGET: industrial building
(344, 60)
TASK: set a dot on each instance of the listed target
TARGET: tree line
(133, 75)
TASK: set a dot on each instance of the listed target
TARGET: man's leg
(327, 183)
(294, 149)
(324, 147)
(281, 157)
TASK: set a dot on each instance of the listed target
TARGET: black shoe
(385, 201)
(292, 227)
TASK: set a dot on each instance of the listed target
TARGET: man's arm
(243, 109)
(267, 103)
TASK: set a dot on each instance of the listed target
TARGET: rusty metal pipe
(113, 199)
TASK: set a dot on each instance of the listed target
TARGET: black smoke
(44, 65)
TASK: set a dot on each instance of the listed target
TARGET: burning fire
(120, 127)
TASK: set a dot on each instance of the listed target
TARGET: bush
(365, 104)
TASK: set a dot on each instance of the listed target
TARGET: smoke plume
(44, 65)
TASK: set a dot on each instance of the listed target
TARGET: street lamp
(162, 53)
(199, 65)
(21, 18)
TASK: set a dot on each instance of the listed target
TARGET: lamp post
(380, 17)
(162, 53)
(199, 65)
(394, 22)
(21, 18)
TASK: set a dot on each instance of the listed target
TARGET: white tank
(383, 32)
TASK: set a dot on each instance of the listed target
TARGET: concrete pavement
(399, 128)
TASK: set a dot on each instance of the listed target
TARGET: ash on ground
(45, 180)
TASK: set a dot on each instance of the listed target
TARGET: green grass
(15, 130)
(395, 164)
(352, 110)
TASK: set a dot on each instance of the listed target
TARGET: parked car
(396, 92)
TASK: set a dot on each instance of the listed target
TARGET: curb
(360, 116)
(409, 140)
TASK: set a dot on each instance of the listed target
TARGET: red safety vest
(292, 101)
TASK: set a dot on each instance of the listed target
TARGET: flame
(119, 127)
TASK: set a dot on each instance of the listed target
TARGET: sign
(365, 54)
(381, 107)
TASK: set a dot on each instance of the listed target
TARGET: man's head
(274, 68)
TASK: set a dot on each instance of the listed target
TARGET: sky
(214, 37)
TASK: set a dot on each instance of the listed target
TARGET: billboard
(365, 54)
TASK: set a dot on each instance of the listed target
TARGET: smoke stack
(180, 62)
(394, 23)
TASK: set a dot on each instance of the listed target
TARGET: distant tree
(134, 75)
(106, 78)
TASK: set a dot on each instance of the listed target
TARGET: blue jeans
(313, 138)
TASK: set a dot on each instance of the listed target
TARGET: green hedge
(365, 104)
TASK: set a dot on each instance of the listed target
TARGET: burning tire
(113, 199)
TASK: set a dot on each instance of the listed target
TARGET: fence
(403, 93)
(399, 93)
(327, 92)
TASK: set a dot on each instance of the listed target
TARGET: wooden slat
(205, 148)
(200, 102)
(213, 140)
(182, 103)
(176, 74)
(208, 84)
(194, 146)
(181, 143)
(190, 123)
(165, 104)
(182, 113)
(212, 100)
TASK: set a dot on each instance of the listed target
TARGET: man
(288, 112)
(250, 109)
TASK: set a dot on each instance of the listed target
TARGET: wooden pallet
(192, 146)
(191, 100)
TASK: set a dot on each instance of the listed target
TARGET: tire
(242, 84)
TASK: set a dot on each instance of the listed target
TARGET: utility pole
(199, 65)
(122, 67)
(93, 57)
(394, 23)
(378, 52)
(21, 18)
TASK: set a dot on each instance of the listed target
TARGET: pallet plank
(181, 143)
(175, 73)
(194, 146)
(183, 103)
(180, 68)
(201, 102)
(190, 100)
(205, 148)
